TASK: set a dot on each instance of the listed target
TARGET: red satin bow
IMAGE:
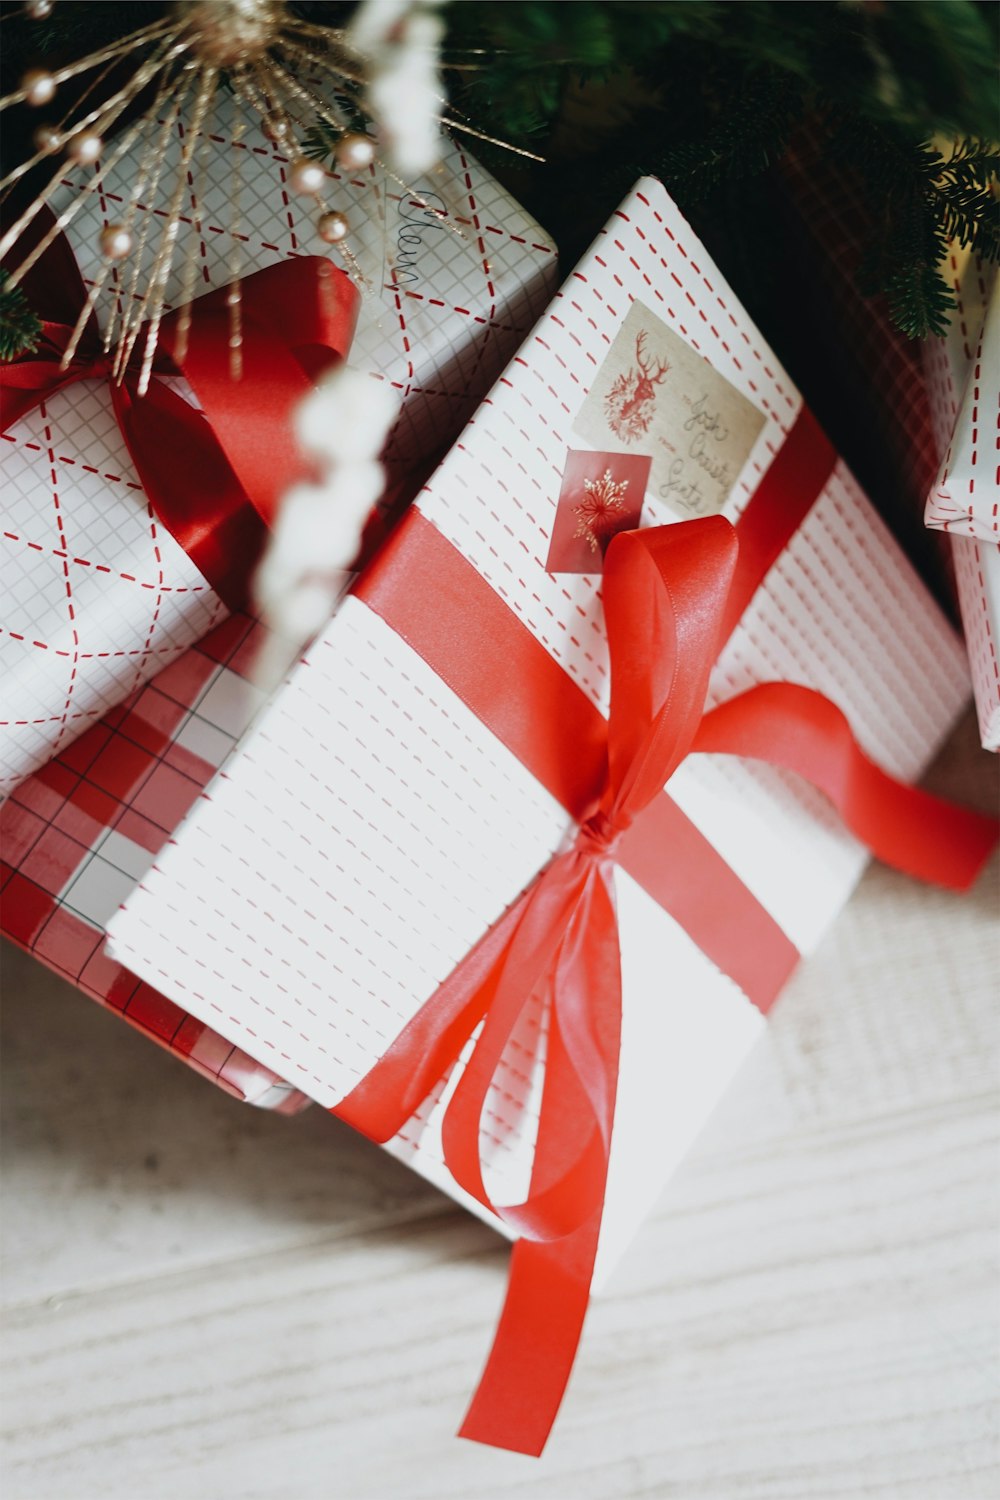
(214, 477)
(667, 606)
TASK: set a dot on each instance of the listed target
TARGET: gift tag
(656, 396)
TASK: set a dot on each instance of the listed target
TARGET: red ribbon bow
(214, 477)
(669, 605)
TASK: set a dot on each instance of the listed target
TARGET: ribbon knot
(600, 835)
(215, 475)
(90, 361)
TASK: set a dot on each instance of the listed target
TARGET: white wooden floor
(207, 1303)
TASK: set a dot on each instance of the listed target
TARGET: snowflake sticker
(600, 495)
(599, 513)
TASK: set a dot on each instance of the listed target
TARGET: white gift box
(97, 595)
(963, 378)
(371, 828)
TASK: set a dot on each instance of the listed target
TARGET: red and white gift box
(79, 833)
(97, 594)
(374, 825)
(963, 379)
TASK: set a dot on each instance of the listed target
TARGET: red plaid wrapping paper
(78, 834)
(880, 372)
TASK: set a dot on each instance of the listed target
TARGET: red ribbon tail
(538, 1334)
(528, 1367)
(799, 730)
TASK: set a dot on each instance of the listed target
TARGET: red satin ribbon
(215, 476)
(668, 597)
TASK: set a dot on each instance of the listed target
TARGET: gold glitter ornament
(149, 105)
(278, 130)
(226, 33)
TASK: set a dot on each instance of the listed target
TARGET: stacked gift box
(963, 378)
(125, 683)
(922, 417)
(601, 741)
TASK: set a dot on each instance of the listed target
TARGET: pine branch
(753, 135)
(962, 191)
(919, 299)
(705, 92)
(20, 328)
(925, 200)
(320, 140)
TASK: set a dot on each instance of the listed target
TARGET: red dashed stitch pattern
(70, 606)
(977, 574)
(966, 494)
(566, 349)
(324, 905)
(86, 562)
(63, 458)
(964, 383)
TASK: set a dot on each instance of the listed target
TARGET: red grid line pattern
(128, 775)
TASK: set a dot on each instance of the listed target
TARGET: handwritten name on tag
(655, 395)
(420, 220)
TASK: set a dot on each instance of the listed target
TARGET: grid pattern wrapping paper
(963, 379)
(77, 835)
(97, 595)
(370, 828)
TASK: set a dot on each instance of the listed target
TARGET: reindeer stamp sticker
(656, 395)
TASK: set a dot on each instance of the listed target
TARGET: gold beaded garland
(116, 242)
(39, 87)
(354, 150)
(189, 53)
(332, 226)
(306, 177)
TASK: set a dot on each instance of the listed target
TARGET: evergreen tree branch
(20, 328)
(706, 93)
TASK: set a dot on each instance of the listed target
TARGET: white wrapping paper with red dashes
(371, 827)
(963, 376)
(96, 596)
